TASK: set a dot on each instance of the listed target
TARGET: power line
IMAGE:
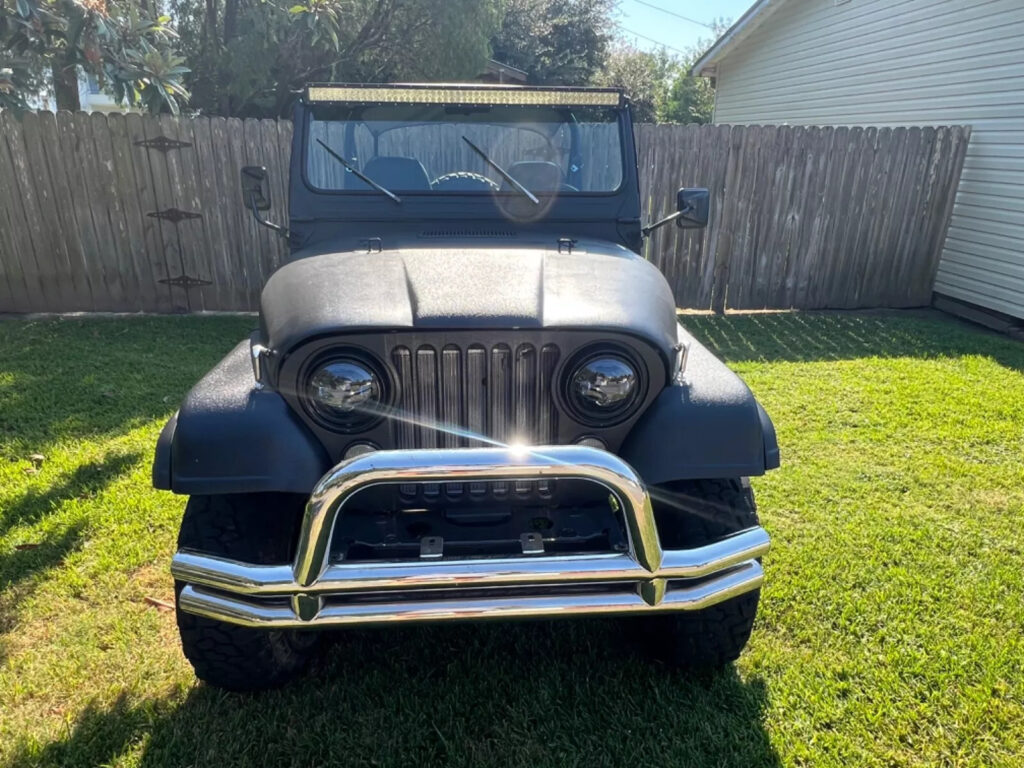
(673, 13)
(652, 40)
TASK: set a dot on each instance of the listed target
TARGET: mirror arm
(282, 231)
(671, 217)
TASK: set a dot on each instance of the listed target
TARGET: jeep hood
(596, 286)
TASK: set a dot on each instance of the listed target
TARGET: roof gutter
(707, 65)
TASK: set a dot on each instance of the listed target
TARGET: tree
(689, 100)
(19, 76)
(124, 43)
(250, 57)
(646, 77)
(660, 85)
(692, 99)
(556, 42)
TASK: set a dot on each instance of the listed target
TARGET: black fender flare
(230, 436)
(710, 426)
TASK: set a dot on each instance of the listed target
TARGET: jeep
(469, 396)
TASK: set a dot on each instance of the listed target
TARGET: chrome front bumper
(313, 592)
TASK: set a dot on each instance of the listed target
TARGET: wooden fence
(133, 213)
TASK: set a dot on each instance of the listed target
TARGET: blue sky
(642, 25)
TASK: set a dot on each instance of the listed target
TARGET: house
(498, 72)
(90, 96)
(901, 62)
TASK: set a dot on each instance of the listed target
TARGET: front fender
(709, 427)
(231, 437)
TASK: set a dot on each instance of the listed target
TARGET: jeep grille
(502, 392)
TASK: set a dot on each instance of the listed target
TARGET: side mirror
(256, 187)
(256, 195)
(693, 205)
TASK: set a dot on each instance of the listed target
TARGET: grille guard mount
(323, 594)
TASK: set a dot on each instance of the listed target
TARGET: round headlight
(604, 384)
(346, 392)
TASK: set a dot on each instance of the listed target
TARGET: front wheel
(255, 528)
(690, 514)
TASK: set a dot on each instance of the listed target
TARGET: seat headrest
(536, 176)
(395, 173)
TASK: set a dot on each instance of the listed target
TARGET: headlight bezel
(351, 422)
(593, 416)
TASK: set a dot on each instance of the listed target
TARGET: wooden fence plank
(164, 198)
(195, 236)
(789, 187)
(34, 246)
(53, 260)
(111, 198)
(77, 275)
(228, 288)
(238, 260)
(945, 184)
(14, 237)
(845, 267)
(147, 291)
(730, 226)
(890, 143)
(144, 191)
(93, 264)
(913, 163)
(91, 212)
(181, 231)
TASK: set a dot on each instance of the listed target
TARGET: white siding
(907, 62)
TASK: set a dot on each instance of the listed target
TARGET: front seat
(392, 172)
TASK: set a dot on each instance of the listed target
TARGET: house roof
(707, 65)
(502, 71)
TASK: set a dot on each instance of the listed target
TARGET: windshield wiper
(503, 173)
(359, 174)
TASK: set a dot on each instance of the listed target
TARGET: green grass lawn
(891, 631)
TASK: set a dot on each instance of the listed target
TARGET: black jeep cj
(468, 397)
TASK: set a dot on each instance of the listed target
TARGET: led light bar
(472, 95)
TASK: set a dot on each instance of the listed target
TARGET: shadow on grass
(556, 693)
(22, 562)
(813, 336)
(86, 480)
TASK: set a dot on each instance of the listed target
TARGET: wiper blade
(359, 174)
(503, 173)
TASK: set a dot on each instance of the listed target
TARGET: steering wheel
(464, 181)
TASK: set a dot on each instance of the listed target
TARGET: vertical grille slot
(426, 387)
(451, 393)
(502, 392)
(525, 396)
(404, 430)
(476, 392)
(547, 426)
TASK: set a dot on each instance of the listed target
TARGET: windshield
(410, 148)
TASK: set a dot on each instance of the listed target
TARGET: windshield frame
(621, 122)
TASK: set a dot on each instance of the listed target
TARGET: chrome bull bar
(314, 592)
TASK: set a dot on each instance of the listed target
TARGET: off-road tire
(703, 511)
(256, 528)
